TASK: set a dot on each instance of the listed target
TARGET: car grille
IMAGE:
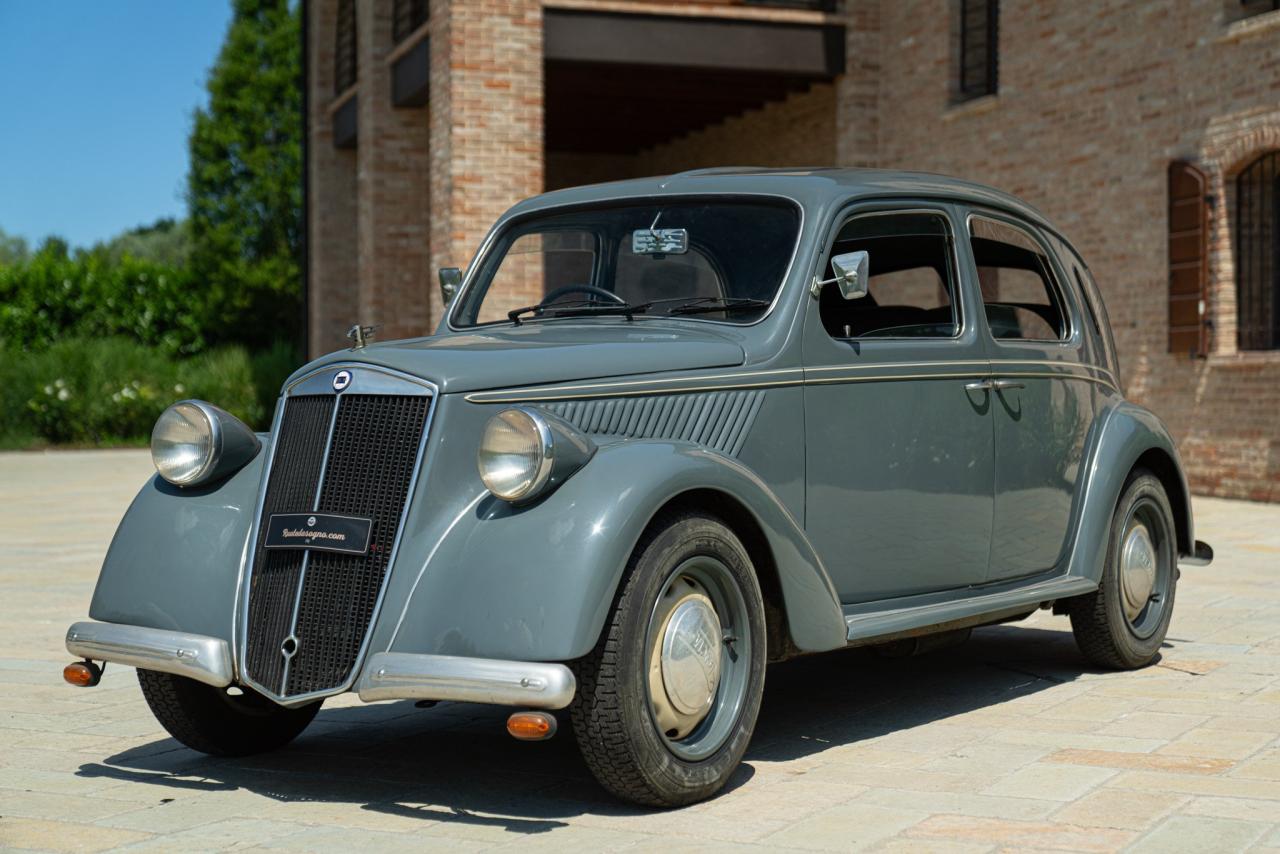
(357, 461)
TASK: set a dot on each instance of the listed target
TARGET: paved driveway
(1008, 741)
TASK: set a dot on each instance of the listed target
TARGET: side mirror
(450, 281)
(851, 273)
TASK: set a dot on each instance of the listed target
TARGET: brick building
(1149, 131)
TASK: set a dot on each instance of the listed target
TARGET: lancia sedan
(667, 431)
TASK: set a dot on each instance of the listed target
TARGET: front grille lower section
(353, 455)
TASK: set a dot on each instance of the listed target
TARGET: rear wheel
(1123, 623)
(212, 721)
(667, 701)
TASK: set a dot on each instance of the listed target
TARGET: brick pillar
(392, 191)
(331, 176)
(486, 120)
(857, 90)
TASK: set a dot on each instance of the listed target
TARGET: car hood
(556, 352)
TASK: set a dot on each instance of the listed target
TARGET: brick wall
(486, 120)
(331, 237)
(1095, 99)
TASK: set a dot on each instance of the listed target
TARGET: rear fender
(537, 582)
(1130, 435)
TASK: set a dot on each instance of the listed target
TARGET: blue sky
(96, 102)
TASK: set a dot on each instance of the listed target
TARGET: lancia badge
(341, 380)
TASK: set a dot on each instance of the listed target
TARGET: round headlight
(183, 443)
(515, 454)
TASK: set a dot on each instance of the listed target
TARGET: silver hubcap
(685, 659)
(1137, 570)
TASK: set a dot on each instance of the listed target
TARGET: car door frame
(1045, 360)
(959, 358)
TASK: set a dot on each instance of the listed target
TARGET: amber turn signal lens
(531, 726)
(82, 674)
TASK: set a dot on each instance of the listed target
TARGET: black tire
(210, 720)
(612, 716)
(1105, 634)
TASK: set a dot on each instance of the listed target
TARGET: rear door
(1042, 400)
(899, 446)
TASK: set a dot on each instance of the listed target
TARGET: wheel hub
(691, 655)
(1137, 570)
(684, 659)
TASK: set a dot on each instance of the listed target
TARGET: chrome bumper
(1202, 556)
(204, 659)
(403, 676)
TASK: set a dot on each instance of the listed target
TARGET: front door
(1042, 401)
(899, 445)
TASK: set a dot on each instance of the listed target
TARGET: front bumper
(386, 676)
(197, 657)
(398, 675)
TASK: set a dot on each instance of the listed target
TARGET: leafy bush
(49, 298)
(110, 390)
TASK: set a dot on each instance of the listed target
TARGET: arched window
(1258, 253)
(344, 48)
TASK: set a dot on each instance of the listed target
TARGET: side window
(1018, 290)
(911, 287)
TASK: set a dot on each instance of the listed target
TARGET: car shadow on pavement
(455, 763)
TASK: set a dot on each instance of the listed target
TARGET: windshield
(721, 260)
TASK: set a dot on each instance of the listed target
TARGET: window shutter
(1188, 260)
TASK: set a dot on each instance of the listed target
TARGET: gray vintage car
(668, 431)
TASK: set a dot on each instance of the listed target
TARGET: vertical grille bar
(371, 463)
(295, 474)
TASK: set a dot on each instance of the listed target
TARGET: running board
(965, 609)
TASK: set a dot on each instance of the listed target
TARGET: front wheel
(1123, 623)
(212, 721)
(668, 699)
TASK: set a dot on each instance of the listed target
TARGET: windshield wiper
(708, 305)
(579, 308)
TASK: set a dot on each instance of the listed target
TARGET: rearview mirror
(852, 273)
(450, 281)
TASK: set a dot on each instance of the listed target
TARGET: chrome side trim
(402, 676)
(872, 624)
(821, 375)
(197, 657)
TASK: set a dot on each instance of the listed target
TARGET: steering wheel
(582, 289)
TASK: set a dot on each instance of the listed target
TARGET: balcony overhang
(621, 82)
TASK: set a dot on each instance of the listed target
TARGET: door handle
(980, 385)
(1001, 385)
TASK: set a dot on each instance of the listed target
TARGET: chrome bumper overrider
(197, 657)
(1202, 555)
(403, 676)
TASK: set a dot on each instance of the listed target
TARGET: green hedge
(108, 391)
(47, 299)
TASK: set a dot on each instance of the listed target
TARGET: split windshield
(718, 260)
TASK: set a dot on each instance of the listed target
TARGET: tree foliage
(245, 187)
(13, 249)
(166, 241)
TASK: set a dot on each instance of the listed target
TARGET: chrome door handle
(980, 385)
(1001, 385)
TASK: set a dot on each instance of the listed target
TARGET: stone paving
(1008, 742)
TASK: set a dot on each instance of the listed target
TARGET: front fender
(1129, 433)
(175, 560)
(537, 582)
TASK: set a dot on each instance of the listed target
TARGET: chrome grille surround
(365, 379)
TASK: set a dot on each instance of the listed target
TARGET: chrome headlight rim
(230, 443)
(211, 424)
(541, 473)
(562, 448)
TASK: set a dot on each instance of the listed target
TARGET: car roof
(807, 185)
